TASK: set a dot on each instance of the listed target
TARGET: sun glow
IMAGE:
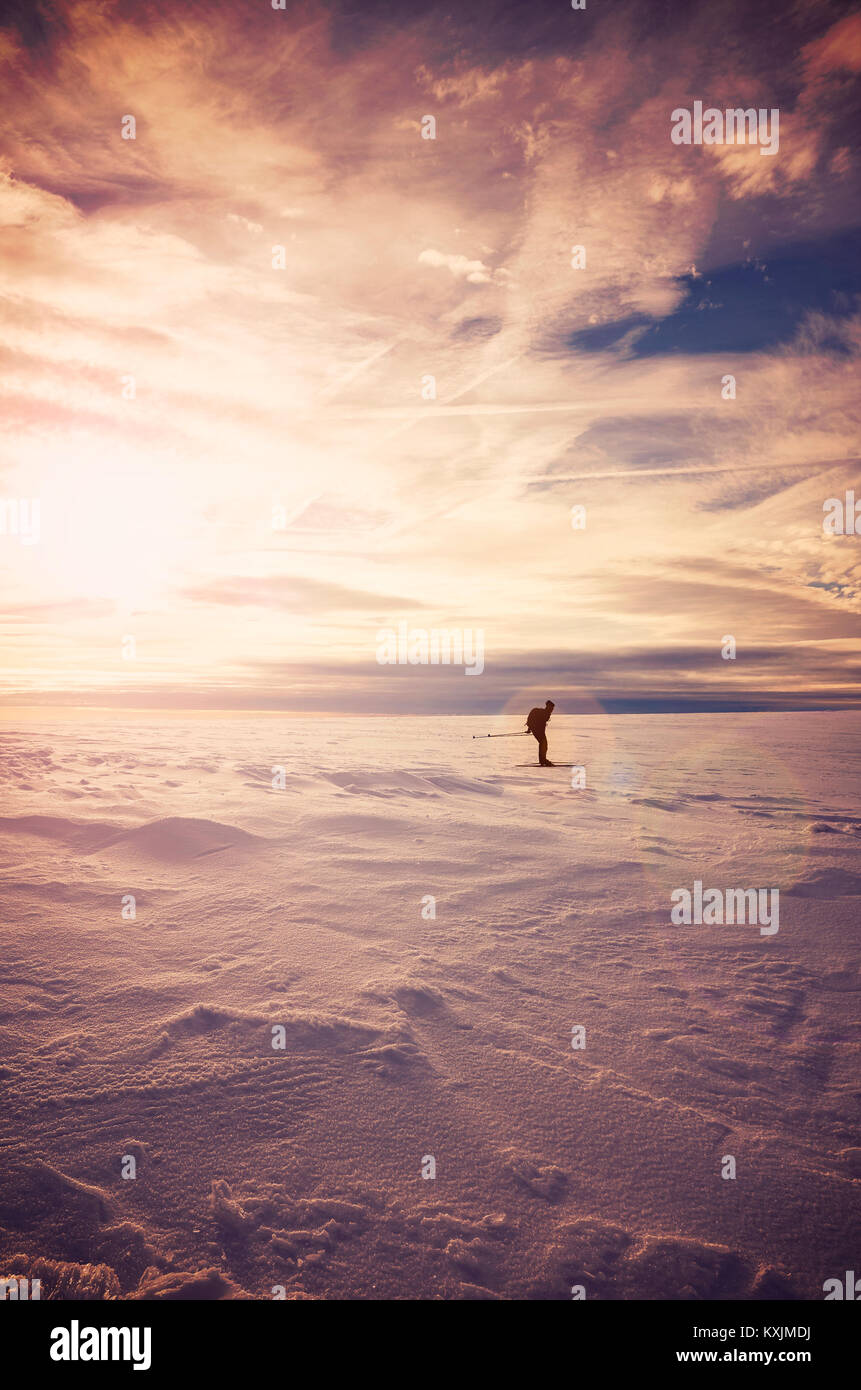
(112, 534)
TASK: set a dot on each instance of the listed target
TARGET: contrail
(444, 408)
(332, 389)
(669, 472)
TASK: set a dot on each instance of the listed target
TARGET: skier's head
(549, 706)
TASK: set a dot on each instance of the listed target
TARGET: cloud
(294, 593)
(425, 384)
(253, 228)
(474, 272)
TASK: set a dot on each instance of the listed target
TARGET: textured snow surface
(407, 1036)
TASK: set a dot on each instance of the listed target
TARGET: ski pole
(523, 734)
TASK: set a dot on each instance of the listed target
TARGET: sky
(282, 372)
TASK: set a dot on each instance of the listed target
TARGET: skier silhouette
(536, 723)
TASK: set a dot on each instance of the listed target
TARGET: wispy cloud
(279, 299)
(295, 594)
